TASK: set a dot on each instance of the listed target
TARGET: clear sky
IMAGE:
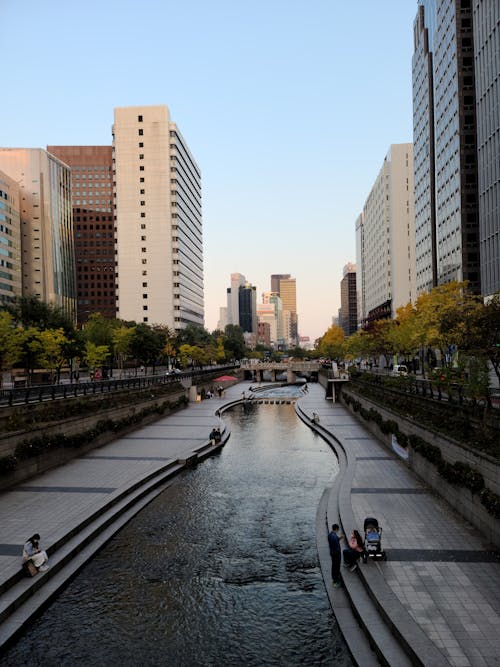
(289, 107)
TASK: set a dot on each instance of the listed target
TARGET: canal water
(221, 569)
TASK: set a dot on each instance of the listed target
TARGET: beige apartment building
(159, 243)
(10, 240)
(386, 233)
(47, 251)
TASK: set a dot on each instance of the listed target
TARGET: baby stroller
(373, 540)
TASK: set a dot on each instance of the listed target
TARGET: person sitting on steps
(33, 553)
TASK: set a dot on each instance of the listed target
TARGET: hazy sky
(289, 107)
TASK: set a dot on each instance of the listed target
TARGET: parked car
(399, 369)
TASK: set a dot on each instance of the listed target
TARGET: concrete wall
(48, 460)
(468, 505)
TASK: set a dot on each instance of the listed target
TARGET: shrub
(491, 501)
(7, 464)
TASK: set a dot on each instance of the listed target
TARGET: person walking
(335, 554)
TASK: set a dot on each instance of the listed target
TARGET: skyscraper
(47, 251)
(158, 220)
(385, 230)
(444, 129)
(486, 23)
(93, 227)
(285, 286)
(348, 300)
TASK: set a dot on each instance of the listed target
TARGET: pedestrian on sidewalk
(33, 553)
(335, 554)
(353, 552)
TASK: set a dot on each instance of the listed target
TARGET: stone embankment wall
(463, 501)
(75, 425)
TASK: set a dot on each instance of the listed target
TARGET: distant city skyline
(287, 118)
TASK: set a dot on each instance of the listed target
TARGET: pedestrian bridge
(255, 371)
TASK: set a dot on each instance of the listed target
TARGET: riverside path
(435, 602)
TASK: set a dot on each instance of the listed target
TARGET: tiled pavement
(438, 568)
(53, 503)
(438, 572)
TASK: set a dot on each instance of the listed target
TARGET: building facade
(159, 239)
(285, 287)
(93, 227)
(348, 300)
(10, 240)
(47, 250)
(486, 23)
(388, 237)
(446, 176)
(233, 306)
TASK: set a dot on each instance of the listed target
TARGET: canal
(221, 569)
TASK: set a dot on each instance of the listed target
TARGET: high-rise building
(486, 23)
(10, 240)
(264, 333)
(444, 133)
(266, 314)
(247, 308)
(233, 306)
(275, 281)
(388, 237)
(159, 242)
(93, 227)
(348, 300)
(47, 251)
(360, 281)
(285, 286)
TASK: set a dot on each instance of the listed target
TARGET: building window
(143, 192)
(141, 132)
(144, 296)
(141, 168)
(144, 308)
(141, 156)
(139, 119)
(143, 215)
(141, 144)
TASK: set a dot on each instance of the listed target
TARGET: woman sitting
(353, 552)
(32, 552)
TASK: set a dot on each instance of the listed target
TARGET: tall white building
(387, 233)
(159, 240)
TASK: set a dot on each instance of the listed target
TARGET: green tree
(122, 344)
(10, 342)
(50, 347)
(234, 342)
(147, 345)
(95, 356)
(30, 311)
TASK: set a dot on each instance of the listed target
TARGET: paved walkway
(439, 575)
(54, 503)
(439, 589)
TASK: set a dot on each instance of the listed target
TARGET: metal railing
(40, 393)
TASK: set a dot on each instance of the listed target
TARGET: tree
(10, 342)
(50, 348)
(331, 343)
(442, 314)
(482, 332)
(95, 356)
(146, 345)
(405, 337)
(122, 344)
(30, 311)
(234, 342)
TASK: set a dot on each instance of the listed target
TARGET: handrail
(41, 393)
